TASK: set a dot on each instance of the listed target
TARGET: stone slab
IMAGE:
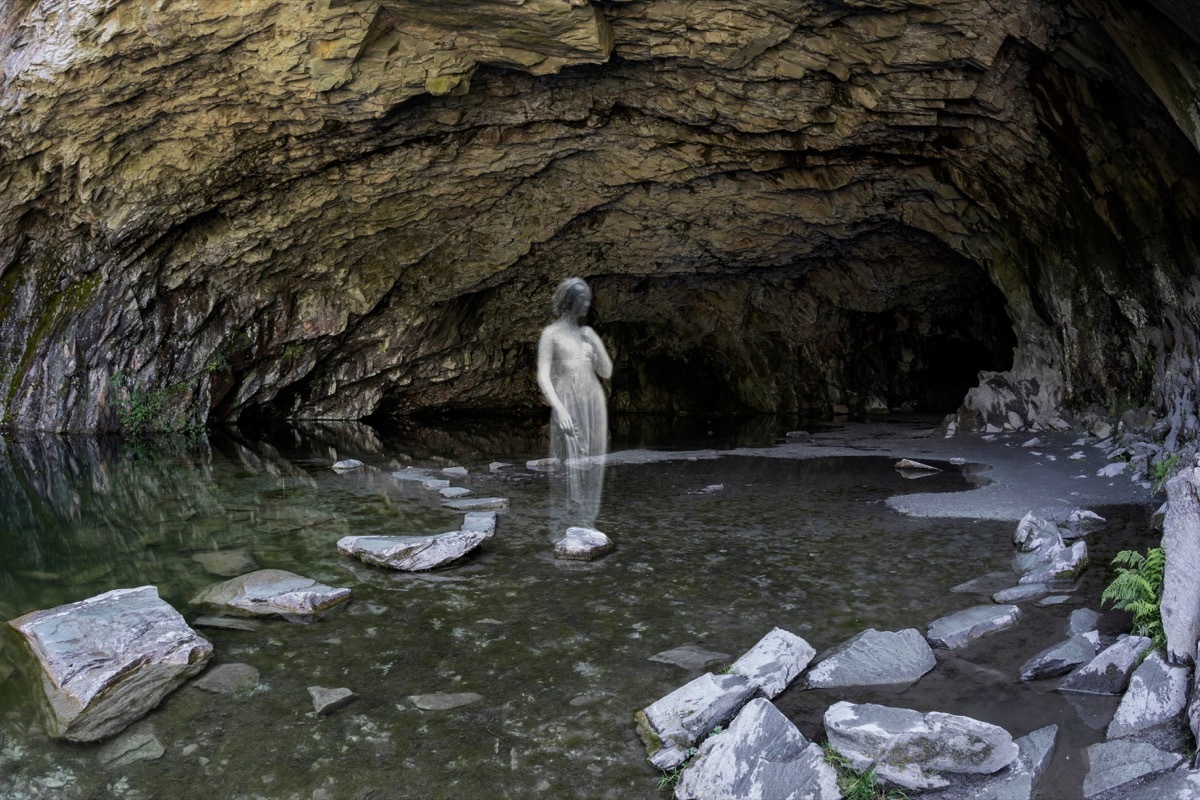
(412, 553)
(271, 593)
(1108, 673)
(1157, 694)
(761, 756)
(326, 701)
(963, 627)
(672, 724)
(1113, 764)
(1061, 658)
(874, 658)
(477, 503)
(107, 660)
(774, 661)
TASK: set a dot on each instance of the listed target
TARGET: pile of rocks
(949, 757)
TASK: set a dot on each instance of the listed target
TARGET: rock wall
(219, 210)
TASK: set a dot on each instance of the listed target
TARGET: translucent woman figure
(571, 361)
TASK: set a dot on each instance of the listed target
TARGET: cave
(359, 210)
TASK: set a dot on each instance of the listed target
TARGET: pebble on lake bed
(326, 701)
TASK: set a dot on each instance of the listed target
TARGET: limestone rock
(690, 657)
(1157, 694)
(672, 724)
(874, 658)
(477, 503)
(412, 553)
(348, 465)
(1116, 763)
(583, 544)
(761, 756)
(228, 679)
(108, 660)
(271, 593)
(326, 701)
(963, 627)
(1181, 543)
(1108, 672)
(1061, 658)
(774, 661)
(479, 522)
(916, 750)
(1063, 567)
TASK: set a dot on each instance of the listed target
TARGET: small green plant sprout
(670, 777)
(727, 670)
(1164, 470)
(856, 785)
(1138, 590)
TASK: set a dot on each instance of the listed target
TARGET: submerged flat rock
(1061, 658)
(443, 702)
(762, 756)
(412, 553)
(108, 660)
(271, 593)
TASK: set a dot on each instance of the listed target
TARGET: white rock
(672, 724)
(412, 553)
(271, 592)
(347, 465)
(774, 661)
(583, 544)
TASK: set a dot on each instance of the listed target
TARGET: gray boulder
(454, 491)
(1116, 763)
(1016, 594)
(412, 553)
(347, 465)
(1063, 567)
(583, 544)
(1181, 590)
(479, 522)
(1157, 694)
(672, 724)
(1035, 534)
(916, 750)
(961, 628)
(762, 756)
(1061, 658)
(1178, 785)
(774, 661)
(271, 593)
(1107, 673)
(874, 658)
(108, 660)
(1016, 781)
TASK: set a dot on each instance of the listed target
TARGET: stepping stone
(1018, 593)
(1061, 658)
(108, 660)
(411, 474)
(451, 492)
(1055, 600)
(874, 658)
(963, 627)
(477, 503)
(271, 593)
(479, 522)
(454, 471)
(583, 544)
(348, 465)
(1116, 763)
(1108, 673)
(774, 661)
(326, 701)
(412, 553)
(435, 483)
(673, 724)
(762, 756)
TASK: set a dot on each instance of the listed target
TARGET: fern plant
(1138, 590)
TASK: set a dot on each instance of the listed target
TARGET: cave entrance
(907, 332)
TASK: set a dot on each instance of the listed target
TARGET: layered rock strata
(216, 211)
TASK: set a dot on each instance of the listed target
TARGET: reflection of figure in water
(570, 357)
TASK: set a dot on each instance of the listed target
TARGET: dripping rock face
(219, 211)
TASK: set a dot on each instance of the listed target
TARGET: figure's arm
(545, 361)
(603, 364)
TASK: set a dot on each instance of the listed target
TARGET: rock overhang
(780, 207)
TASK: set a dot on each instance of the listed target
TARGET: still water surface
(559, 652)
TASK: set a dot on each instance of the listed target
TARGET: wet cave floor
(558, 651)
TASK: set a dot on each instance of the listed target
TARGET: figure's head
(572, 297)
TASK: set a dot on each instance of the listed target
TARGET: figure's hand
(566, 425)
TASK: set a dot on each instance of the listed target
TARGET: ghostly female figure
(571, 360)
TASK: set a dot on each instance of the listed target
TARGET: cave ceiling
(347, 209)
